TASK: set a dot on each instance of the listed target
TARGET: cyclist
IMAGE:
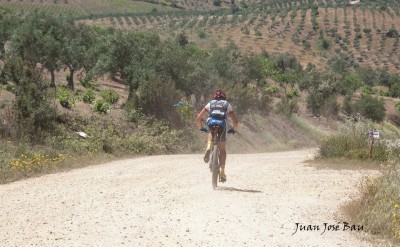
(218, 108)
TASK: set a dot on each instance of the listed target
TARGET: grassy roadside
(377, 207)
(26, 167)
(107, 139)
(112, 140)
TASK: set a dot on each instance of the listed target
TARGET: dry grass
(66, 164)
(377, 207)
(349, 212)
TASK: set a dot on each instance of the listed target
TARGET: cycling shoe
(222, 177)
(207, 156)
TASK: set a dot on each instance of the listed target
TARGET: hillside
(311, 30)
(369, 35)
(84, 8)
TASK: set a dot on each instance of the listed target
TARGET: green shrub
(343, 63)
(314, 102)
(272, 90)
(101, 106)
(367, 30)
(217, 2)
(306, 44)
(248, 98)
(352, 142)
(156, 137)
(9, 88)
(394, 90)
(294, 92)
(383, 93)
(394, 118)
(89, 96)
(367, 90)
(68, 77)
(397, 106)
(321, 104)
(330, 107)
(350, 83)
(371, 107)
(287, 106)
(156, 98)
(66, 97)
(88, 83)
(347, 106)
(352, 147)
(151, 138)
(323, 43)
(108, 135)
(134, 115)
(186, 111)
(201, 34)
(33, 115)
(110, 96)
(392, 33)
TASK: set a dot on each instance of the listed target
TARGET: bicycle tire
(214, 167)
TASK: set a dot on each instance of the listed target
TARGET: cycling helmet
(219, 94)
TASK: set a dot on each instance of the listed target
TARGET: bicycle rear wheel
(214, 167)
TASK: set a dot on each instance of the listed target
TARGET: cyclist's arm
(234, 119)
(200, 117)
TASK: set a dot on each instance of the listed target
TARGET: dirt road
(168, 201)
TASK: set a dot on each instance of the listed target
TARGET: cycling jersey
(219, 109)
(218, 112)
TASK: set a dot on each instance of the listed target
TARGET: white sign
(375, 134)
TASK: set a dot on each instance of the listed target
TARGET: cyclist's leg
(207, 153)
(222, 159)
(222, 152)
(209, 141)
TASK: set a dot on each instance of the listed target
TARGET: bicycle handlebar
(207, 130)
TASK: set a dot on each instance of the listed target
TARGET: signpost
(374, 135)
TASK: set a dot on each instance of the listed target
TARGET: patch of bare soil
(168, 201)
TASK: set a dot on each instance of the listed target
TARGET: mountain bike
(214, 164)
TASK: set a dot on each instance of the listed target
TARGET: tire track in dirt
(168, 201)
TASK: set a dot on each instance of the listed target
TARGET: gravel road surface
(168, 201)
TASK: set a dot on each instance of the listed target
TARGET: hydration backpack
(218, 109)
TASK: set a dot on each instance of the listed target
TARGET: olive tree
(129, 55)
(77, 49)
(39, 40)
